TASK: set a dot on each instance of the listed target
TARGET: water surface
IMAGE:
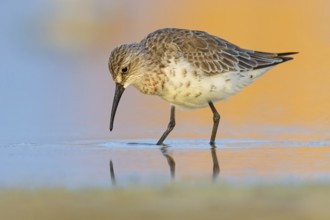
(140, 162)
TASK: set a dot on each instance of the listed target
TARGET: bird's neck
(151, 76)
(151, 82)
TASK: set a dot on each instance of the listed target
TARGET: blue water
(139, 162)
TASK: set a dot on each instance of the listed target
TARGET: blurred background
(55, 84)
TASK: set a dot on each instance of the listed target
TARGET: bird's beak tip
(118, 92)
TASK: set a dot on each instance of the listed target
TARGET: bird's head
(125, 68)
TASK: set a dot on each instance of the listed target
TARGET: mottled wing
(211, 54)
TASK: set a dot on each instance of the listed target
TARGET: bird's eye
(124, 69)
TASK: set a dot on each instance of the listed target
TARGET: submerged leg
(216, 120)
(170, 126)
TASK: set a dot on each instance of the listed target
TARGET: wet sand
(201, 201)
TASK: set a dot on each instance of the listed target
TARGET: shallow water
(140, 162)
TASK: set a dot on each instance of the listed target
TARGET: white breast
(188, 87)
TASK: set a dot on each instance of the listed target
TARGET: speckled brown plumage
(209, 53)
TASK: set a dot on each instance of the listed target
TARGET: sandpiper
(188, 68)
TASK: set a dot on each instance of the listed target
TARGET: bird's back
(211, 54)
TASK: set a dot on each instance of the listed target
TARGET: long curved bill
(119, 91)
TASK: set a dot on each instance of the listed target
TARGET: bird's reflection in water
(112, 174)
(169, 159)
(171, 163)
(216, 166)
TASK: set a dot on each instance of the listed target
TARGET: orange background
(69, 42)
(292, 95)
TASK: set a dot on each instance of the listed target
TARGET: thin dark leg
(170, 126)
(216, 120)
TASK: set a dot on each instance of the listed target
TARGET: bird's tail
(272, 58)
(284, 57)
(286, 54)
